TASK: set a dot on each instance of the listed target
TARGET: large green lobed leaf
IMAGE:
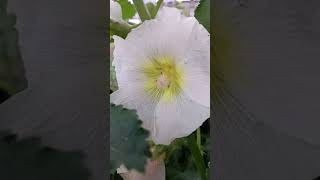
(128, 144)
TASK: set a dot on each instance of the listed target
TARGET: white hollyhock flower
(154, 170)
(115, 11)
(163, 71)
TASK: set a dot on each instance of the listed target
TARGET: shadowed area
(28, 159)
(3, 95)
(244, 148)
(63, 48)
(266, 90)
(12, 72)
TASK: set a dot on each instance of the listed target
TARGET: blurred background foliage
(12, 72)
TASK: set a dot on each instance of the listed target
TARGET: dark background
(266, 89)
(63, 46)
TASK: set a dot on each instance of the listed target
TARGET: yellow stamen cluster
(164, 78)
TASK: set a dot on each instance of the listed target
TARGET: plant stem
(142, 10)
(196, 153)
(199, 139)
(159, 3)
(119, 29)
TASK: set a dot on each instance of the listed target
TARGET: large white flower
(115, 11)
(163, 71)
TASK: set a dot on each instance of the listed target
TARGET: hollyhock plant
(160, 90)
(163, 72)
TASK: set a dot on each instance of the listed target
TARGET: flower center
(164, 79)
(163, 82)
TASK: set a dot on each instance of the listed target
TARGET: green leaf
(128, 10)
(154, 14)
(196, 153)
(119, 29)
(113, 78)
(152, 9)
(12, 72)
(142, 10)
(128, 144)
(186, 175)
(180, 165)
(202, 13)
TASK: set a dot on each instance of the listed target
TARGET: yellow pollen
(164, 79)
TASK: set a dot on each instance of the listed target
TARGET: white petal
(178, 119)
(131, 80)
(197, 66)
(197, 84)
(134, 99)
(168, 34)
(115, 11)
(119, 97)
(127, 55)
(128, 62)
(122, 169)
(199, 47)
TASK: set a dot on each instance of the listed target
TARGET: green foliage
(180, 165)
(202, 13)
(128, 143)
(12, 73)
(119, 29)
(28, 159)
(182, 161)
(197, 155)
(128, 10)
(113, 78)
(152, 9)
(142, 10)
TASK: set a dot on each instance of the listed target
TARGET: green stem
(199, 139)
(119, 29)
(159, 3)
(196, 153)
(142, 10)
